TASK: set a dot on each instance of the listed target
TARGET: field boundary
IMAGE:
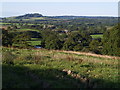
(92, 54)
(75, 52)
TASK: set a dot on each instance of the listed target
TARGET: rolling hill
(39, 17)
(41, 68)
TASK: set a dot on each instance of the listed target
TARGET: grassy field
(35, 41)
(5, 23)
(21, 30)
(40, 68)
(97, 36)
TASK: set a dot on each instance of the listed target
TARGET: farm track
(79, 53)
(91, 54)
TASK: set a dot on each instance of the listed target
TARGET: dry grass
(91, 54)
(107, 59)
(39, 55)
(56, 55)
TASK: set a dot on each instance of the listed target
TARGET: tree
(21, 41)
(14, 27)
(6, 38)
(69, 44)
(53, 42)
(9, 28)
(76, 41)
(94, 46)
(111, 41)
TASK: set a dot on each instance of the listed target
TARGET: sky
(59, 0)
(60, 8)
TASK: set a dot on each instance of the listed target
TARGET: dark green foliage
(69, 44)
(111, 41)
(8, 58)
(26, 16)
(50, 40)
(9, 28)
(14, 27)
(33, 34)
(94, 46)
(76, 41)
(6, 38)
(53, 42)
(21, 41)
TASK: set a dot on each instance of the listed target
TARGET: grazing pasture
(97, 36)
(41, 68)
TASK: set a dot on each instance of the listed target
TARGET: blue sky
(60, 8)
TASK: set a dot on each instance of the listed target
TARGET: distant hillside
(76, 17)
(27, 16)
(39, 18)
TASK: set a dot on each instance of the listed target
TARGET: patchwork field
(35, 41)
(21, 30)
(97, 36)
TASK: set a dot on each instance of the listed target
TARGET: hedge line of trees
(89, 25)
(76, 41)
(111, 41)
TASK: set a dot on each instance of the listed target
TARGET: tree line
(75, 41)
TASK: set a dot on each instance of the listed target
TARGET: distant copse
(27, 16)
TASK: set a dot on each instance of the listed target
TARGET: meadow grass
(33, 43)
(1, 23)
(97, 36)
(38, 66)
(20, 30)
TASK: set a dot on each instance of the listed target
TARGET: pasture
(41, 68)
(35, 41)
(97, 36)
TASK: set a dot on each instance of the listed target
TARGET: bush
(86, 49)
(111, 41)
(8, 58)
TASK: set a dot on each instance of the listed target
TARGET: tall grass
(49, 64)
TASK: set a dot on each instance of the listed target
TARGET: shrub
(111, 41)
(8, 58)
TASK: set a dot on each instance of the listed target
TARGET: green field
(5, 23)
(26, 68)
(97, 36)
(35, 41)
(20, 30)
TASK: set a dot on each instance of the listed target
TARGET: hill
(39, 17)
(27, 16)
(41, 68)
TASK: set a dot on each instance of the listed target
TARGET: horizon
(109, 9)
(58, 15)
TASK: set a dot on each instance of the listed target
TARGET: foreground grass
(23, 68)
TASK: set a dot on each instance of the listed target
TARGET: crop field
(20, 30)
(35, 41)
(97, 36)
(41, 68)
(4, 23)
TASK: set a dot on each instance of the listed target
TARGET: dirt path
(91, 54)
(83, 53)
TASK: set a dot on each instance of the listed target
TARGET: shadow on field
(22, 77)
